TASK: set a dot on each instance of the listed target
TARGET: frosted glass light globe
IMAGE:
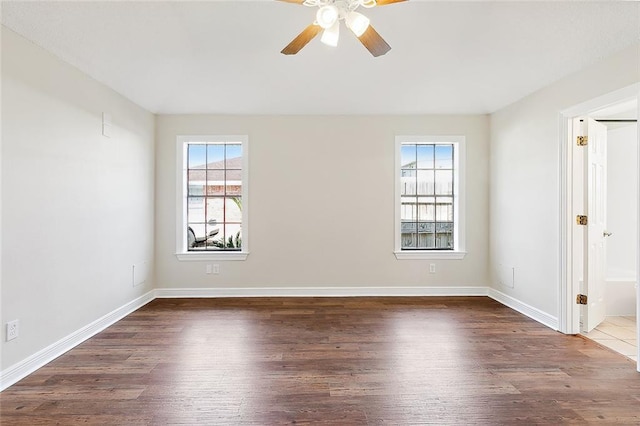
(357, 22)
(331, 35)
(327, 16)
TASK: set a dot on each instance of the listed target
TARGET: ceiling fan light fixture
(327, 16)
(331, 35)
(357, 22)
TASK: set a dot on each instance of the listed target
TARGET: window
(429, 202)
(213, 197)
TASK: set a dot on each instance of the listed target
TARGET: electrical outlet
(432, 268)
(12, 329)
(216, 268)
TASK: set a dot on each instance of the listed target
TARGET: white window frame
(458, 251)
(181, 199)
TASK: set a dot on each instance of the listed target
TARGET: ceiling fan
(328, 17)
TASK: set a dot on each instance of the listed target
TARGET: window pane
(444, 157)
(425, 235)
(408, 208)
(234, 156)
(215, 177)
(195, 182)
(234, 189)
(215, 156)
(195, 236)
(426, 227)
(232, 236)
(444, 182)
(444, 235)
(426, 208)
(215, 182)
(406, 173)
(408, 156)
(215, 209)
(197, 156)
(213, 233)
(444, 228)
(425, 182)
(233, 209)
(444, 241)
(408, 185)
(409, 240)
(444, 212)
(425, 156)
(408, 227)
(215, 190)
(195, 209)
(234, 176)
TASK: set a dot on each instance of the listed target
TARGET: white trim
(23, 368)
(525, 309)
(638, 241)
(604, 101)
(459, 197)
(30, 364)
(212, 255)
(181, 191)
(319, 292)
(568, 313)
(460, 291)
(429, 254)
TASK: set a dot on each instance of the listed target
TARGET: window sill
(199, 256)
(429, 254)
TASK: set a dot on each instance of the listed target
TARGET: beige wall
(321, 192)
(77, 207)
(525, 187)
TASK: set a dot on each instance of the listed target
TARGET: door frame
(569, 311)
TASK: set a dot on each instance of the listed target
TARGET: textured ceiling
(224, 56)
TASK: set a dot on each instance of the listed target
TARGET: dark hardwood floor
(342, 361)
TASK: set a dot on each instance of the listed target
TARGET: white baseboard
(523, 308)
(528, 310)
(23, 368)
(320, 292)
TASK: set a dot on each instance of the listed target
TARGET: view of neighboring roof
(233, 171)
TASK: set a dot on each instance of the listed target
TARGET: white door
(594, 241)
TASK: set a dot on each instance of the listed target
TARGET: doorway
(599, 227)
(617, 329)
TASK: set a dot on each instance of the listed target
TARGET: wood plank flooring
(341, 361)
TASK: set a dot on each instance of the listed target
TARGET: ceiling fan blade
(302, 39)
(302, 1)
(381, 2)
(374, 42)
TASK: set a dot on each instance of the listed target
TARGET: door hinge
(582, 220)
(581, 299)
(582, 140)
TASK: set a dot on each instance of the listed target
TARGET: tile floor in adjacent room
(619, 334)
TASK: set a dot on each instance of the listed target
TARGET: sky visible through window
(201, 154)
(423, 156)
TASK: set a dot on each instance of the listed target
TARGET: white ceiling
(223, 57)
